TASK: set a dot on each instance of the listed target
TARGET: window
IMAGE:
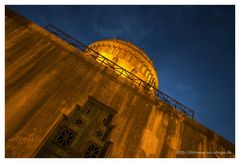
(92, 151)
(65, 137)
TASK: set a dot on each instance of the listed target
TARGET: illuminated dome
(128, 56)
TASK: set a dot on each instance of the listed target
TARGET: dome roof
(128, 56)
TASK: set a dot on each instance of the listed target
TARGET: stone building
(64, 99)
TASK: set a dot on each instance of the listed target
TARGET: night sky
(192, 48)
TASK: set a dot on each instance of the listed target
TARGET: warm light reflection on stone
(128, 56)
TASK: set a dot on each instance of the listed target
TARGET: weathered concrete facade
(46, 79)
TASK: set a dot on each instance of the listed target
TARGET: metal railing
(120, 70)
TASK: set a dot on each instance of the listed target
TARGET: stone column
(129, 57)
(104, 48)
(121, 53)
(107, 49)
(111, 49)
(117, 51)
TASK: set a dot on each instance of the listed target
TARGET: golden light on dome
(107, 55)
(122, 63)
(127, 56)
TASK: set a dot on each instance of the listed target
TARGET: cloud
(125, 30)
(131, 27)
(109, 32)
(184, 88)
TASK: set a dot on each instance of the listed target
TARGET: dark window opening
(92, 151)
(65, 138)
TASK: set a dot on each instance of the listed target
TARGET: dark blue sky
(193, 49)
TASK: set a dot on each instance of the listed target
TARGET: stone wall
(45, 78)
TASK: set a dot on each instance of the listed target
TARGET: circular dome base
(129, 57)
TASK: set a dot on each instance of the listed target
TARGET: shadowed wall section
(46, 78)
